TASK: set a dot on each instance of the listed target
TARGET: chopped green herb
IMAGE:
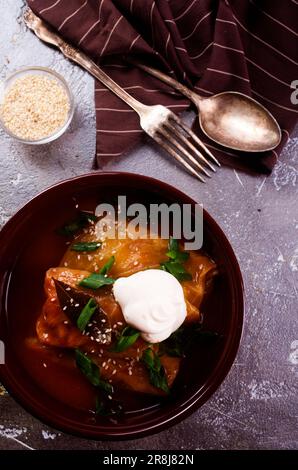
(176, 269)
(176, 344)
(91, 372)
(82, 221)
(85, 246)
(177, 257)
(184, 338)
(106, 267)
(126, 339)
(175, 350)
(180, 256)
(95, 281)
(86, 314)
(157, 373)
(173, 244)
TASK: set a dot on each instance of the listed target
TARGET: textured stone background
(256, 406)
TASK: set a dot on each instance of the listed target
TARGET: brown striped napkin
(211, 45)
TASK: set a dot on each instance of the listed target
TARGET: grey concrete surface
(256, 406)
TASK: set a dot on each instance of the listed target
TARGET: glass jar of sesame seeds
(36, 105)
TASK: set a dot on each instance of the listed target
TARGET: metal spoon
(229, 118)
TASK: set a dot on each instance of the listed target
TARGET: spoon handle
(184, 90)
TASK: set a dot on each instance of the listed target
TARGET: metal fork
(161, 124)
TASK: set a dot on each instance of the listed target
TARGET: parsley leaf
(176, 269)
(174, 265)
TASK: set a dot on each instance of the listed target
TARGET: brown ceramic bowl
(29, 246)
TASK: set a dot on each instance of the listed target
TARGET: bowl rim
(176, 413)
(60, 79)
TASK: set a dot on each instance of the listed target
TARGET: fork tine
(195, 137)
(177, 144)
(177, 157)
(190, 145)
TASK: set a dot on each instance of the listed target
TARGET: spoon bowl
(238, 121)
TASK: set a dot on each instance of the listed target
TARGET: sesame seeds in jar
(36, 105)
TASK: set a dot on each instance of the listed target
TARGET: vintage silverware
(162, 125)
(230, 118)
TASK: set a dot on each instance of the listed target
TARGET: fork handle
(48, 35)
(184, 90)
(84, 61)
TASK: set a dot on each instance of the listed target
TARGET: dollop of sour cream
(152, 301)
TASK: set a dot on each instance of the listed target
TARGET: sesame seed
(103, 320)
(104, 364)
(64, 308)
(114, 372)
(135, 263)
(53, 299)
(129, 372)
(66, 322)
(46, 335)
(44, 364)
(119, 323)
(77, 305)
(101, 351)
(110, 397)
(68, 288)
(77, 206)
(65, 263)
